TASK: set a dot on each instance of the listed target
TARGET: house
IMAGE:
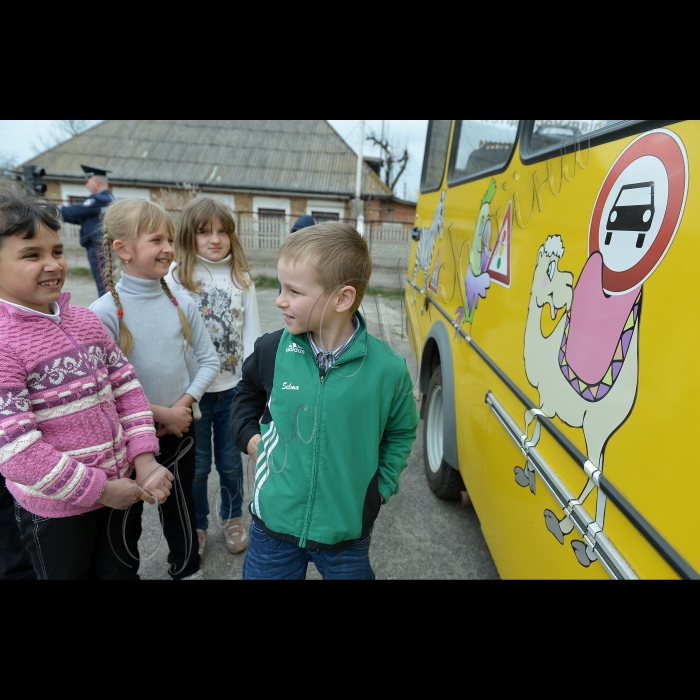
(268, 171)
(266, 168)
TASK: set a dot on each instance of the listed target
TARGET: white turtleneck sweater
(159, 341)
(230, 315)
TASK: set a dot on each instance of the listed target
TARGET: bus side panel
(635, 422)
(510, 521)
(651, 459)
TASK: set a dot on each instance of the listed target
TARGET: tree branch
(403, 162)
(389, 151)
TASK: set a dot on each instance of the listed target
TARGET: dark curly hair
(22, 211)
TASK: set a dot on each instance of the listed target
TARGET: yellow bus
(556, 359)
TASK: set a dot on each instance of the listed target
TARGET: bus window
(547, 133)
(481, 147)
(545, 138)
(435, 154)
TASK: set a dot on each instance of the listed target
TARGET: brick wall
(53, 190)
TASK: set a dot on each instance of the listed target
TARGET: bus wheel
(445, 481)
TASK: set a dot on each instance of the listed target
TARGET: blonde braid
(183, 318)
(126, 339)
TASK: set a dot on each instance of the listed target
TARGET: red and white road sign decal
(498, 267)
(639, 208)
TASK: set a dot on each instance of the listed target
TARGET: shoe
(236, 536)
(202, 537)
(196, 576)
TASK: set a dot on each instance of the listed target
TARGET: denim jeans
(97, 264)
(216, 417)
(270, 559)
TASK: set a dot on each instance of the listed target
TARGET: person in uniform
(87, 215)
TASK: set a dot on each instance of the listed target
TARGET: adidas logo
(296, 348)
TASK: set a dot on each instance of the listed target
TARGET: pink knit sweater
(72, 412)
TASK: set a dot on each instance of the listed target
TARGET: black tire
(443, 480)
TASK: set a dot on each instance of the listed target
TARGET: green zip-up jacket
(331, 444)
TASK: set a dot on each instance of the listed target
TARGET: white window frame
(131, 192)
(272, 203)
(326, 207)
(72, 190)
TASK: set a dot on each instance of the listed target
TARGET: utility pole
(359, 206)
(380, 152)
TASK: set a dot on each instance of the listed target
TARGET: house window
(272, 220)
(321, 216)
(76, 200)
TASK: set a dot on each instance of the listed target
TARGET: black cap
(303, 222)
(90, 171)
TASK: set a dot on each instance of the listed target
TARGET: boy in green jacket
(326, 410)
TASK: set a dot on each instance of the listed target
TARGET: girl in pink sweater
(74, 421)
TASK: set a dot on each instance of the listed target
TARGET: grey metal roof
(305, 156)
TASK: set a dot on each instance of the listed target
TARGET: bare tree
(73, 127)
(62, 130)
(7, 162)
(176, 200)
(395, 161)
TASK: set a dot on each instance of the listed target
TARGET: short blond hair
(338, 254)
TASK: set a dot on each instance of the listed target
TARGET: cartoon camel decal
(426, 242)
(586, 370)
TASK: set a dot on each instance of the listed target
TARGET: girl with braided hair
(154, 330)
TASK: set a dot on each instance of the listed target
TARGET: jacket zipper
(322, 373)
(314, 462)
(86, 359)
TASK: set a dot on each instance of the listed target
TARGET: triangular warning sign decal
(498, 267)
(433, 281)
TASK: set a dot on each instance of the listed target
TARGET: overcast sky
(21, 139)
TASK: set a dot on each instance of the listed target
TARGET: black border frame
(453, 182)
(606, 135)
(425, 160)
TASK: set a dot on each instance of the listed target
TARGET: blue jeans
(97, 264)
(216, 412)
(272, 559)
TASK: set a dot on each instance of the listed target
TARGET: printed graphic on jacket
(224, 326)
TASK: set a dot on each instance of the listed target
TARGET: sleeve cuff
(195, 394)
(139, 445)
(245, 438)
(92, 495)
(385, 493)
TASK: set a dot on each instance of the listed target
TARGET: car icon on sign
(633, 211)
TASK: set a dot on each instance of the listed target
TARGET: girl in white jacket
(210, 266)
